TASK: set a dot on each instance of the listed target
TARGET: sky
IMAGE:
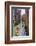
(22, 11)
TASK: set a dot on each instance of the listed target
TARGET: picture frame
(22, 9)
